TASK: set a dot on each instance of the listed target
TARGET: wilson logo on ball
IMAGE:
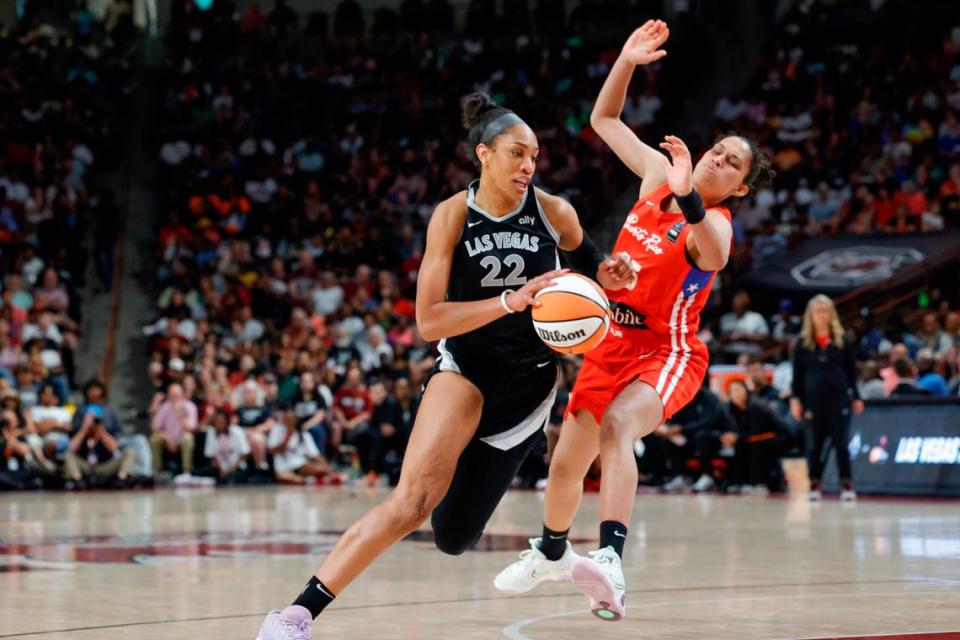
(556, 336)
(573, 316)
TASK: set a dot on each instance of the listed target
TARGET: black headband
(498, 125)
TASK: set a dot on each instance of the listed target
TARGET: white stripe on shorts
(674, 347)
(447, 363)
(686, 351)
(527, 427)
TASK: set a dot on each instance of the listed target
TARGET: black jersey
(494, 254)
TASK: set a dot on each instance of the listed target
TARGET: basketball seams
(576, 284)
(581, 304)
(571, 293)
(577, 296)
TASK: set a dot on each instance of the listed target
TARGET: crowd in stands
(59, 90)
(298, 173)
(299, 180)
(858, 108)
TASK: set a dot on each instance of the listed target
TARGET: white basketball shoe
(533, 568)
(601, 579)
(293, 623)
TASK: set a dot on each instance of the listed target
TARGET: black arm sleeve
(585, 259)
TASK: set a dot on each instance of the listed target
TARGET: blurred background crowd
(299, 158)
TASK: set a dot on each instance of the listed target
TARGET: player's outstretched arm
(437, 318)
(643, 47)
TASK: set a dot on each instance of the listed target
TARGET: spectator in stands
(825, 390)
(172, 430)
(351, 409)
(906, 373)
(761, 389)
(382, 445)
(256, 419)
(403, 411)
(225, 449)
(95, 395)
(21, 463)
(673, 444)
(785, 326)
(760, 438)
(310, 407)
(888, 374)
(869, 384)
(824, 210)
(928, 377)
(742, 331)
(94, 456)
(375, 354)
(53, 423)
(295, 456)
(872, 342)
(933, 337)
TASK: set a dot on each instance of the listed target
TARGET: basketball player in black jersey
(489, 250)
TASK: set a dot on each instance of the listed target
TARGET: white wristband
(503, 301)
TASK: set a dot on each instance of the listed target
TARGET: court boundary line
(895, 634)
(513, 631)
(386, 605)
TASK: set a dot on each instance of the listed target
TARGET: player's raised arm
(643, 47)
(437, 318)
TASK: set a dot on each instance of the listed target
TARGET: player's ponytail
(484, 121)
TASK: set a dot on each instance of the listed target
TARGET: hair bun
(474, 106)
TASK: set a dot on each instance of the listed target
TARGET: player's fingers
(634, 265)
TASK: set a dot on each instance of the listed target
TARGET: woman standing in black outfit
(825, 390)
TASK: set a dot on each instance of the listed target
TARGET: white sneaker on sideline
(848, 495)
(704, 483)
(815, 495)
(601, 579)
(677, 484)
(533, 568)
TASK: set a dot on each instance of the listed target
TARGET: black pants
(830, 419)
(757, 462)
(665, 459)
(483, 475)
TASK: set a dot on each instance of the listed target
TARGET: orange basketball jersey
(670, 291)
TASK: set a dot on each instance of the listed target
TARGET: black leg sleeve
(483, 475)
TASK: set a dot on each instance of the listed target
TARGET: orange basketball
(573, 316)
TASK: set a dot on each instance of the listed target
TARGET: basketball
(573, 316)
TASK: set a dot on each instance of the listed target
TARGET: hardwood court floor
(207, 564)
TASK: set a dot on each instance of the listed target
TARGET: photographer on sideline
(94, 455)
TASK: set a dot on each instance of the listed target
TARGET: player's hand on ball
(523, 297)
(643, 45)
(680, 171)
(618, 271)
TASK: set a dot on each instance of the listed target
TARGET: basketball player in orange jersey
(651, 363)
(489, 250)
